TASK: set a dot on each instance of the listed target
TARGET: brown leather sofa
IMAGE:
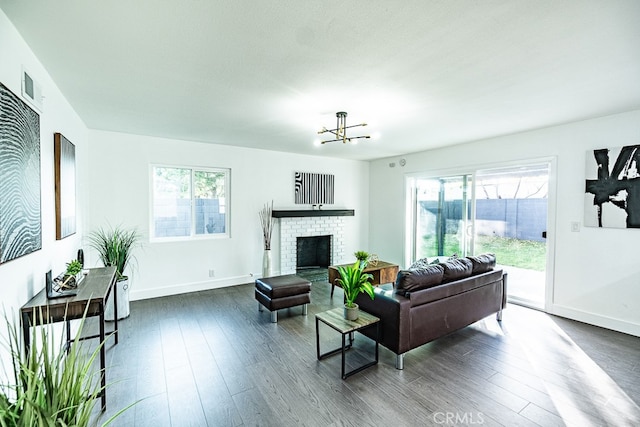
(430, 301)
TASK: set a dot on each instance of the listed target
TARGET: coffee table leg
(377, 339)
(317, 339)
(343, 355)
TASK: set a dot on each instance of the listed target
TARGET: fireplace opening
(313, 252)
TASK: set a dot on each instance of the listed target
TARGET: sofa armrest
(393, 311)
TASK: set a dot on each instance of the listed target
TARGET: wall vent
(31, 90)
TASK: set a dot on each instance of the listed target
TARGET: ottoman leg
(274, 316)
(304, 309)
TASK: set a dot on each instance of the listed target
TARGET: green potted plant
(361, 255)
(54, 385)
(115, 247)
(353, 281)
(73, 274)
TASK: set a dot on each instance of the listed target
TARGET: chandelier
(340, 132)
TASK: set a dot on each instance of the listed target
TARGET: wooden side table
(335, 320)
(383, 272)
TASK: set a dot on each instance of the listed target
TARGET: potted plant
(53, 384)
(115, 247)
(353, 281)
(73, 274)
(361, 255)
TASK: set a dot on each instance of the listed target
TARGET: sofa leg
(304, 309)
(260, 307)
(499, 316)
(274, 316)
(400, 361)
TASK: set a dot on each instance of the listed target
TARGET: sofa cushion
(420, 263)
(482, 263)
(456, 269)
(419, 278)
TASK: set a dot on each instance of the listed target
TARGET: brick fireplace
(328, 223)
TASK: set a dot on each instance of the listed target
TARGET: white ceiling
(269, 75)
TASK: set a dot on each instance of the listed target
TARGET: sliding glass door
(511, 221)
(442, 213)
(500, 210)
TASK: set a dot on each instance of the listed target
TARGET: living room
(592, 275)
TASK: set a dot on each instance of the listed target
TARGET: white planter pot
(123, 301)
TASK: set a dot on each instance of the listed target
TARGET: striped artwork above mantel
(314, 188)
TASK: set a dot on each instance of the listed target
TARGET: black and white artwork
(612, 189)
(313, 188)
(20, 217)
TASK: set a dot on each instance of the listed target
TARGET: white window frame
(192, 235)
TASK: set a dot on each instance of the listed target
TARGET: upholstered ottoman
(279, 292)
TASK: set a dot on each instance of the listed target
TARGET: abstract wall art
(20, 210)
(314, 188)
(64, 153)
(612, 188)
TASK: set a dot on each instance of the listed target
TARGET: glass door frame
(411, 220)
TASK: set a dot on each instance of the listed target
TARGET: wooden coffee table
(383, 272)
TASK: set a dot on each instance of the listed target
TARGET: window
(189, 202)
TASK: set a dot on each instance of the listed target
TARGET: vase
(266, 263)
(351, 313)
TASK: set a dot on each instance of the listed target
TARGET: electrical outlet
(212, 273)
(575, 226)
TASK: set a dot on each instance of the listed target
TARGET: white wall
(596, 271)
(22, 278)
(119, 184)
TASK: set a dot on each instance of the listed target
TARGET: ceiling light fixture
(341, 130)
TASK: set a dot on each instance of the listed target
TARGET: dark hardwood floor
(212, 359)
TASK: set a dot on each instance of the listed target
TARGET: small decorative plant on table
(361, 256)
(353, 281)
(74, 272)
(71, 277)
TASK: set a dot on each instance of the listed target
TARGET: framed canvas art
(612, 187)
(314, 188)
(64, 153)
(20, 205)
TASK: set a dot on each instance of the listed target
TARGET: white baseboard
(596, 319)
(184, 288)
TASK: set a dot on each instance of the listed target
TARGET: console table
(92, 294)
(383, 272)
